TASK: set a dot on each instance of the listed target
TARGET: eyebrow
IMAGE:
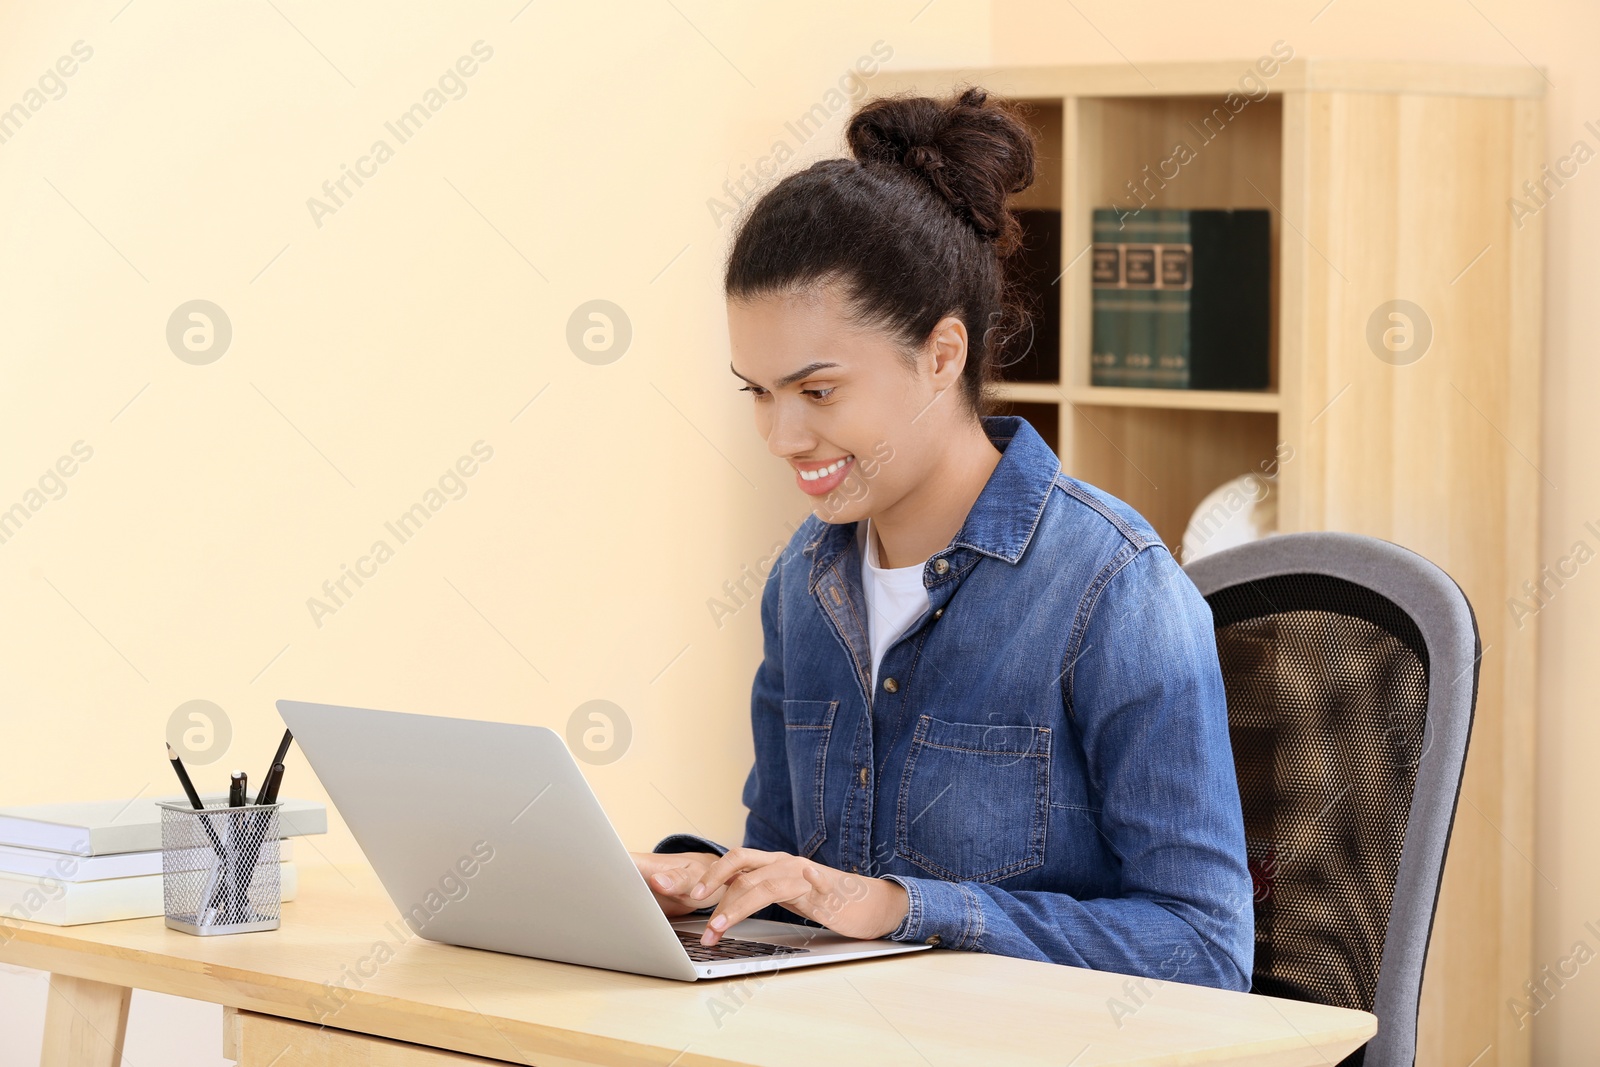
(789, 379)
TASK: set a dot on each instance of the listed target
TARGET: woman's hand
(670, 876)
(746, 880)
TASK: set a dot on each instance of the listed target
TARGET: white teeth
(812, 476)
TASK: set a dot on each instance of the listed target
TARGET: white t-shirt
(895, 597)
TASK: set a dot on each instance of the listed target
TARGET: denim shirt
(1044, 765)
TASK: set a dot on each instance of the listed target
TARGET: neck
(924, 520)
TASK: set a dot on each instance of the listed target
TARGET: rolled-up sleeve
(682, 842)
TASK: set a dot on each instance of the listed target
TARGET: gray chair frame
(1449, 630)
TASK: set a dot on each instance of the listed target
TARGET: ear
(947, 344)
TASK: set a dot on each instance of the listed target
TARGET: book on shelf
(1034, 272)
(20, 862)
(1181, 298)
(110, 827)
(60, 903)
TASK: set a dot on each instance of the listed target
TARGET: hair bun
(924, 158)
(972, 151)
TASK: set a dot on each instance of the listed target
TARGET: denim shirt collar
(1002, 520)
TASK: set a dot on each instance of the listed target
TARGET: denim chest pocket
(974, 800)
(807, 725)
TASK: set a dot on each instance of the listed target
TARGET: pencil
(183, 776)
(198, 805)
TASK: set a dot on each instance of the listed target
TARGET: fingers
(673, 881)
(845, 903)
(670, 876)
(733, 862)
(749, 891)
(678, 866)
(739, 883)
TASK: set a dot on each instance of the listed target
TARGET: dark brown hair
(915, 226)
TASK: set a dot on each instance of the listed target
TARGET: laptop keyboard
(731, 948)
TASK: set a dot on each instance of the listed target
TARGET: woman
(989, 714)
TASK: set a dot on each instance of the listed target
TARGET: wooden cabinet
(1386, 182)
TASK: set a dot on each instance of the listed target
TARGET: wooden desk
(405, 999)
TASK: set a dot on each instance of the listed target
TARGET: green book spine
(1171, 368)
(1136, 301)
(1108, 326)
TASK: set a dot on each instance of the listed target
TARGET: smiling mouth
(823, 472)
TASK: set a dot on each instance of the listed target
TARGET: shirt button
(941, 565)
(890, 685)
(937, 612)
(863, 782)
(934, 940)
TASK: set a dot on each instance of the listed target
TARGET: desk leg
(84, 1023)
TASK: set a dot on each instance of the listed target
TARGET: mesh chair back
(1351, 672)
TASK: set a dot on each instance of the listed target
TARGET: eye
(817, 394)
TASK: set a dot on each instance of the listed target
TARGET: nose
(787, 433)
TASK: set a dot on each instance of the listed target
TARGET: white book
(40, 863)
(109, 827)
(72, 903)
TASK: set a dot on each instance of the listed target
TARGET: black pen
(283, 750)
(268, 794)
(283, 747)
(241, 869)
(269, 788)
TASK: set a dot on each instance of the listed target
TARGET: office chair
(1351, 668)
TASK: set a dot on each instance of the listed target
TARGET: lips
(822, 476)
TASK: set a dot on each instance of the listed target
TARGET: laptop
(487, 835)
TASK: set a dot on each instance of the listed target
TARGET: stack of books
(66, 864)
(1181, 299)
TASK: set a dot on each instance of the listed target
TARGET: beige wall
(420, 317)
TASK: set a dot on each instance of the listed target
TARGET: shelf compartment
(1163, 462)
(1123, 153)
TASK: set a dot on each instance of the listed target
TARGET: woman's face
(837, 402)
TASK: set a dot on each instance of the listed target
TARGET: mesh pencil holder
(219, 868)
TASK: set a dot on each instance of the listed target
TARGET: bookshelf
(1384, 180)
